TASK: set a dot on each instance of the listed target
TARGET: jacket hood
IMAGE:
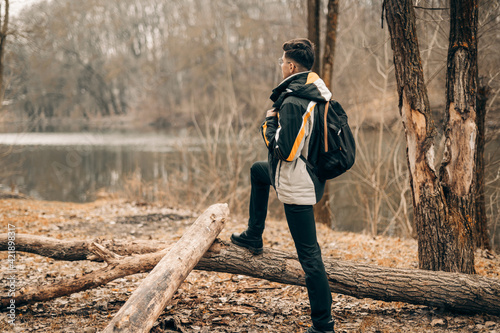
(307, 85)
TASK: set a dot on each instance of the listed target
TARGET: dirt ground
(208, 301)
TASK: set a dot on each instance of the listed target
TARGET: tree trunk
(322, 210)
(147, 302)
(313, 30)
(330, 42)
(443, 238)
(3, 38)
(458, 170)
(452, 291)
(481, 235)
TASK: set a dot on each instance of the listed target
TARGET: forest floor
(210, 301)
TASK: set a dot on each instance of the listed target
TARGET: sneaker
(252, 243)
(312, 329)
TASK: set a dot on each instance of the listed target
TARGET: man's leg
(303, 229)
(259, 197)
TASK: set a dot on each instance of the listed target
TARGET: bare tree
(330, 42)
(313, 30)
(322, 209)
(443, 205)
(4, 29)
(487, 21)
(481, 234)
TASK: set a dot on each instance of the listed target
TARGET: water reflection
(144, 142)
(73, 167)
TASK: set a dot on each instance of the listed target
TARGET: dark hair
(300, 50)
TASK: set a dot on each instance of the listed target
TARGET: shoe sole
(254, 250)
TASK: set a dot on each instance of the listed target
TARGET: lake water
(76, 166)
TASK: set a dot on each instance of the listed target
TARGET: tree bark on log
(145, 305)
(74, 250)
(452, 291)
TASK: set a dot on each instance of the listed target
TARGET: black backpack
(337, 149)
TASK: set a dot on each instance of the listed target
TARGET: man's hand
(271, 113)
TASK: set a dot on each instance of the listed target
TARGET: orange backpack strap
(325, 129)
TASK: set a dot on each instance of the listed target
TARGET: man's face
(287, 67)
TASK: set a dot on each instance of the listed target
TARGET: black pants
(302, 226)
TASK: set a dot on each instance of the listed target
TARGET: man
(287, 132)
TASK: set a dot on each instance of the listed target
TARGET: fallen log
(74, 250)
(117, 265)
(146, 304)
(456, 292)
(452, 291)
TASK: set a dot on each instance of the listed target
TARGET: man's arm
(269, 127)
(284, 136)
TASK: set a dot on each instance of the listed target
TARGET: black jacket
(290, 135)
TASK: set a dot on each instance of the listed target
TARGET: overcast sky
(16, 6)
